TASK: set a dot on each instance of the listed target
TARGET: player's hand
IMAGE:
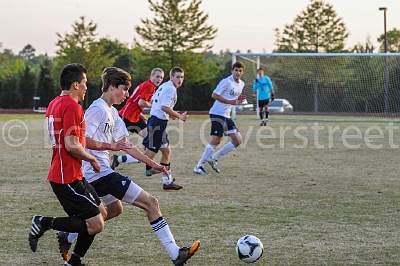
(183, 116)
(96, 166)
(121, 146)
(241, 98)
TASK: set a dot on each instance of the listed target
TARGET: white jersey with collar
(164, 96)
(230, 90)
(103, 124)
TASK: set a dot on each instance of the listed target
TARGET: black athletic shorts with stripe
(77, 198)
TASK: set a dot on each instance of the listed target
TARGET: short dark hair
(71, 73)
(114, 76)
(260, 69)
(175, 70)
(237, 65)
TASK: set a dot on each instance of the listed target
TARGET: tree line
(177, 34)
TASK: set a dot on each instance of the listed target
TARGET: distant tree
(177, 26)
(367, 47)
(46, 85)
(27, 87)
(316, 29)
(393, 41)
(10, 96)
(81, 46)
(28, 52)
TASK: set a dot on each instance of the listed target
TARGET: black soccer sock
(72, 224)
(83, 243)
(74, 259)
(261, 114)
(167, 165)
(266, 114)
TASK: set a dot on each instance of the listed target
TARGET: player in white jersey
(104, 128)
(163, 103)
(227, 94)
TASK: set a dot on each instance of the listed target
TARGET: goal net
(345, 83)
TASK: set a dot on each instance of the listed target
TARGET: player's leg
(150, 204)
(167, 180)
(84, 210)
(266, 112)
(261, 111)
(217, 131)
(236, 140)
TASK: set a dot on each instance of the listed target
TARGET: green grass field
(312, 198)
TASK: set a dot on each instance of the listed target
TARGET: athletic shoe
(172, 186)
(114, 163)
(36, 232)
(262, 123)
(63, 244)
(200, 170)
(186, 253)
(214, 165)
(151, 172)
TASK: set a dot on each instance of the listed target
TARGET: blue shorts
(221, 125)
(157, 136)
(114, 187)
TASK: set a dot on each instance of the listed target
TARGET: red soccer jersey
(64, 118)
(131, 109)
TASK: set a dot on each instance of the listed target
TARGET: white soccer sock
(208, 150)
(166, 179)
(126, 158)
(162, 231)
(228, 147)
(72, 237)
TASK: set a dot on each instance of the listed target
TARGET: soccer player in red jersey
(132, 112)
(66, 127)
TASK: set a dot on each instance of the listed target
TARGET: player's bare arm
(74, 147)
(134, 152)
(175, 115)
(101, 146)
(226, 101)
(144, 104)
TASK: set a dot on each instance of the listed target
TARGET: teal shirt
(264, 87)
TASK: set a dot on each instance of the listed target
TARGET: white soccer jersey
(230, 90)
(103, 124)
(164, 96)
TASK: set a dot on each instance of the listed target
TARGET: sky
(242, 25)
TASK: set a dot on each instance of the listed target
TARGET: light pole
(386, 78)
(384, 9)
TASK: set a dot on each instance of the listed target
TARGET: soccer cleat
(186, 253)
(63, 244)
(151, 172)
(36, 232)
(114, 163)
(172, 186)
(262, 123)
(200, 170)
(214, 165)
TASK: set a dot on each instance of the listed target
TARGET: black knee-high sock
(266, 114)
(72, 224)
(261, 114)
(83, 243)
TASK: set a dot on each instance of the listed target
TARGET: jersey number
(50, 127)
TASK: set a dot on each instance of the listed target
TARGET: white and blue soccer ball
(249, 248)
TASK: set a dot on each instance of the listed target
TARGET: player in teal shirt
(262, 85)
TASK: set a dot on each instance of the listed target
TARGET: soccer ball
(249, 248)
